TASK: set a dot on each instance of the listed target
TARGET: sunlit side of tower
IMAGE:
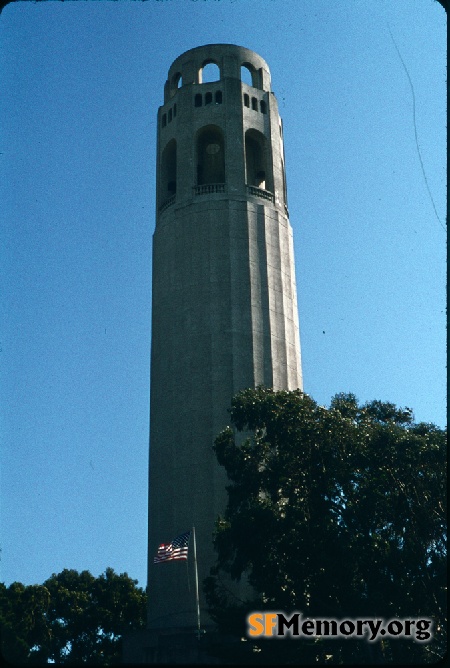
(225, 311)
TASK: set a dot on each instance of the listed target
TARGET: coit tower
(224, 299)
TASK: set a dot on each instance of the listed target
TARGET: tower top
(229, 58)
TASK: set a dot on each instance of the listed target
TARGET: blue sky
(364, 126)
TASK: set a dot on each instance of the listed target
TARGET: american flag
(177, 549)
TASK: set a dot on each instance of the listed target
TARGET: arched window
(247, 74)
(164, 120)
(256, 160)
(218, 97)
(175, 83)
(208, 98)
(262, 106)
(246, 100)
(209, 72)
(210, 156)
(198, 100)
(170, 115)
(168, 182)
(254, 104)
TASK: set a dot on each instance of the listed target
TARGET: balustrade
(209, 189)
(260, 192)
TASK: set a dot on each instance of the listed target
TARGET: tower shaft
(224, 303)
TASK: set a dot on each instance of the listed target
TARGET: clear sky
(364, 126)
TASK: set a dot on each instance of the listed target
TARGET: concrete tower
(224, 296)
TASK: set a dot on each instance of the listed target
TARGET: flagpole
(196, 583)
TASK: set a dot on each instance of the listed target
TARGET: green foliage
(335, 512)
(72, 618)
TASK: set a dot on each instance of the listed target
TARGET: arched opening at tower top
(177, 80)
(250, 76)
(257, 161)
(175, 83)
(209, 72)
(246, 75)
(168, 181)
(210, 155)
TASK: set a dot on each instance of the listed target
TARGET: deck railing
(260, 192)
(209, 189)
(213, 188)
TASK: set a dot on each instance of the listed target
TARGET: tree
(72, 618)
(22, 620)
(336, 512)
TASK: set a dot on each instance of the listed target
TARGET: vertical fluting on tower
(224, 302)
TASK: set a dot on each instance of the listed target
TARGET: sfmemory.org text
(279, 625)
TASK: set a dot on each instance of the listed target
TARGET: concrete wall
(224, 313)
